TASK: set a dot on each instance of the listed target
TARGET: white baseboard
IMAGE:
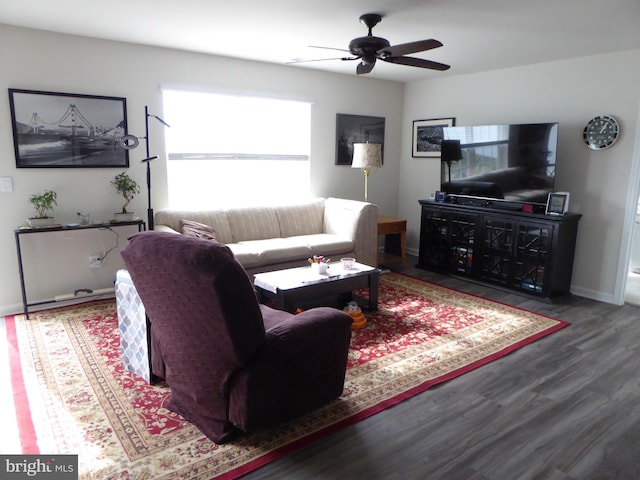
(10, 309)
(594, 295)
(17, 309)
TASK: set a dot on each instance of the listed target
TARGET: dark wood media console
(530, 253)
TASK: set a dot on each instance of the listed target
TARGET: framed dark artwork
(427, 136)
(352, 129)
(68, 130)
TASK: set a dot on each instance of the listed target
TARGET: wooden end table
(393, 225)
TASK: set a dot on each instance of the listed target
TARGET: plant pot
(41, 222)
(124, 217)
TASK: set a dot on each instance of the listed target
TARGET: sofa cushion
(253, 224)
(325, 244)
(302, 219)
(197, 229)
(245, 254)
(277, 250)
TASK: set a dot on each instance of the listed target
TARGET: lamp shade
(450, 151)
(367, 155)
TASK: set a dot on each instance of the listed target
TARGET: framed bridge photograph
(68, 130)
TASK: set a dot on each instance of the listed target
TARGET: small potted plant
(128, 188)
(43, 203)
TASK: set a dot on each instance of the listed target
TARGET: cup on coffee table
(348, 263)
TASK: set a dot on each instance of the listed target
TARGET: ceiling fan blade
(418, 62)
(364, 68)
(411, 47)
(329, 48)
(319, 60)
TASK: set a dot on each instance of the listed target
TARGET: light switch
(6, 184)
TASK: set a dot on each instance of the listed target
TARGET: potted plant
(42, 203)
(128, 188)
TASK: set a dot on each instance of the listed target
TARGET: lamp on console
(450, 151)
(367, 157)
(129, 142)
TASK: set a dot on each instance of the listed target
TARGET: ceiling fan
(369, 49)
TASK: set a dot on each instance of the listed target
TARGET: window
(235, 150)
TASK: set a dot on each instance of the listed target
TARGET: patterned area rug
(73, 396)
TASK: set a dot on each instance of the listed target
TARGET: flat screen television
(516, 163)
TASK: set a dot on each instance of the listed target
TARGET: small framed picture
(427, 136)
(557, 203)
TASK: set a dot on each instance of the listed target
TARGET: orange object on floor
(359, 320)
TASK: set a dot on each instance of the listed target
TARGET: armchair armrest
(301, 366)
(324, 328)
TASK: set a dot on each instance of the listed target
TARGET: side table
(393, 225)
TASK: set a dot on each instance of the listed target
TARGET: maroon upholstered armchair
(232, 364)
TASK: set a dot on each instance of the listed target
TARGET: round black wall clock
(601, 132)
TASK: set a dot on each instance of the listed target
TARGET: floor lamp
(367, 157)
(130, 142)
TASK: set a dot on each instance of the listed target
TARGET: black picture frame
(352, 129)
(68, 130)
(427, 136)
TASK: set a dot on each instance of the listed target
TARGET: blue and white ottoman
(135, 342)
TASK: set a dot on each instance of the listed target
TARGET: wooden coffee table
(299, 287)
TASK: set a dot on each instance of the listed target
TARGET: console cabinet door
(532, 254)
(434, 234)
(497, 250)
(462, 238)
(516, 253)
(447, 241)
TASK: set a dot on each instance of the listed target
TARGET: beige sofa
(275, 237)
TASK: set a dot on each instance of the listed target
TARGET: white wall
(570, 92)
(44, 61)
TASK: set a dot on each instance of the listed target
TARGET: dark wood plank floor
(565, 407)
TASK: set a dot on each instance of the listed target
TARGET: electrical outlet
(6, 184)
(95, 260)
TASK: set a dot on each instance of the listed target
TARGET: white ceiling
(478, 35)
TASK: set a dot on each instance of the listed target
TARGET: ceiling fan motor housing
(367, 47)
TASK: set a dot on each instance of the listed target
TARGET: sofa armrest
(301, 366)
(355, 220)
(164, 228)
